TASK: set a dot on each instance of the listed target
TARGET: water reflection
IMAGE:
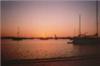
(37, 49)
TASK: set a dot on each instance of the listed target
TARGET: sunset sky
(47, 18)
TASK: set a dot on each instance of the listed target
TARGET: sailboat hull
(80, 40)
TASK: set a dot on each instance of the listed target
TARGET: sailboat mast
(79, 25)
(17, 31)
(97, 18)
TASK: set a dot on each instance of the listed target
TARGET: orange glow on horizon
(38, 19)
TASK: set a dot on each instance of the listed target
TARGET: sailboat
(17, 38)
(87, 39)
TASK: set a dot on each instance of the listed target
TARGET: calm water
(34, 49)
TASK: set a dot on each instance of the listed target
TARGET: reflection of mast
(79, 25)
(97, 18)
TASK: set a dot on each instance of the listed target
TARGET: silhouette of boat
(55, 37)
(17, 38)
(43, 38)
(87, 39)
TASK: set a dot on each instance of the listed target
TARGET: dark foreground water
(55, 53)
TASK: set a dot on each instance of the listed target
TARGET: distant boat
(87, 39)
(17, 38)
(43, 38)
(55, 37)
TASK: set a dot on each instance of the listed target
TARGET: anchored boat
(87, 39)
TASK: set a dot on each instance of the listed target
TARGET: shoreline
(73, 58)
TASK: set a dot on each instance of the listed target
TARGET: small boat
(17, 38)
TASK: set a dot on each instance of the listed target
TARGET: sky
(47, 18)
